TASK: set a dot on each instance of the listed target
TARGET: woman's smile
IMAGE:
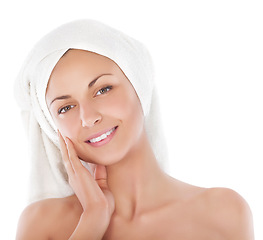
(102, 138)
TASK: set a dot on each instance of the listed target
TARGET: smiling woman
(97, 148)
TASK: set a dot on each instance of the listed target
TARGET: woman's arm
(93, 193)
(91, 226)
(42, 219)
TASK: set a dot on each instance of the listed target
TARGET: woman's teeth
(101, 137)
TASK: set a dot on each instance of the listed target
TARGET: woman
(88, 90)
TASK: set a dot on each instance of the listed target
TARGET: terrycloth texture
(49, 178)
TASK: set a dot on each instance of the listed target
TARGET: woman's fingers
(64, 153)
(100, 175)
(92, 167)
(69, 154)
(89, 191)
(78, 174)
(73, 157)
(100, 172)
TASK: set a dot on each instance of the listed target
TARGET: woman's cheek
(68, 127)
(122, 104)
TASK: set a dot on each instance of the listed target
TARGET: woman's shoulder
(42, 219)
(224, 210)
(229, 211)
(217, 198)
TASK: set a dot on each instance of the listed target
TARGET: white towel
(48, 175)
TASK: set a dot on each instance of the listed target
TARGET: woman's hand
(93, 193)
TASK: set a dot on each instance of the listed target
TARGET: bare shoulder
(221, 213)
(229, 213)
(42, 219)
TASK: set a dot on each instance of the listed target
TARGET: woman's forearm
(91, 226)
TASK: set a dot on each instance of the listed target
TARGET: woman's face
(93, 103)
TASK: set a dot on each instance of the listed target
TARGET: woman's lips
(101, 138)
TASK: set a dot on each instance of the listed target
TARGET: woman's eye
(65, 109)
(104, 90)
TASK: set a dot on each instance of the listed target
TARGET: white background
(208, 57)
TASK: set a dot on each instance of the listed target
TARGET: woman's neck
(136, 180)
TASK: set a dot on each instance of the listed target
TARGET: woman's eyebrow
(60, 98)
(90, 85)
(95, 80)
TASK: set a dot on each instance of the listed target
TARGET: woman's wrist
(91, 226)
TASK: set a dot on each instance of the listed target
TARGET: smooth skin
(128, 196)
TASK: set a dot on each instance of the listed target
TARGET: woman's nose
(89, 116)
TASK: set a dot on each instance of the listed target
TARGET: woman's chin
(105, 161)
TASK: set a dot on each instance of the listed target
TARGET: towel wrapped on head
(48, 175)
